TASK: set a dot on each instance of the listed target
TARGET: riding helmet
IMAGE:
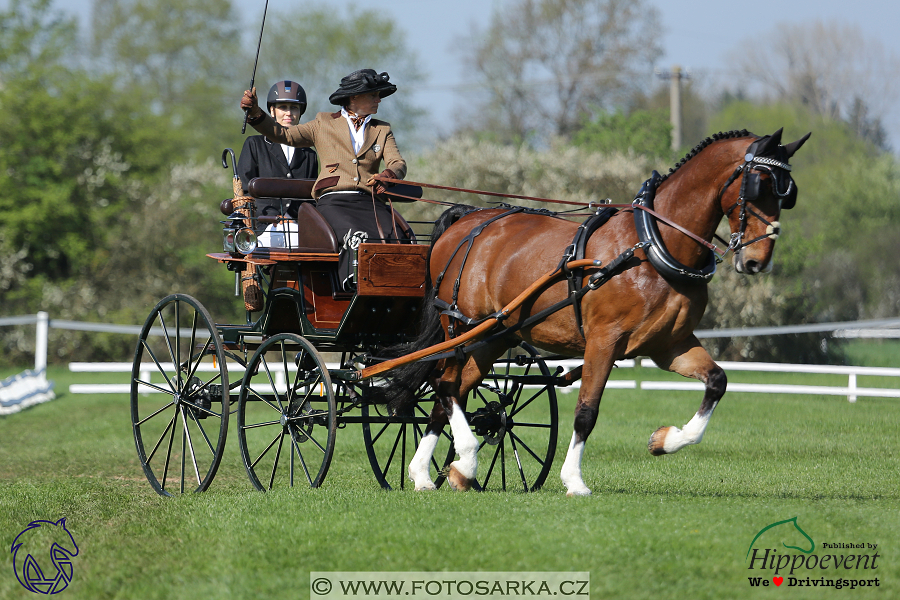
(287, 91)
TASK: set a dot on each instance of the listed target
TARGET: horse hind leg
(691, 360)
(418, 467)
(453, 390)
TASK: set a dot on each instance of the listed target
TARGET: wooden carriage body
(300, 286)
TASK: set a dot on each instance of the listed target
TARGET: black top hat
(362, 82)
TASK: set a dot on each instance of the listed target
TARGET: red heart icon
(778, 580)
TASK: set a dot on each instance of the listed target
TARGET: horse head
(763, 187)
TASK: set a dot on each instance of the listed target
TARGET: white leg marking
(418, 466)
(466, 444)
(692, 433)
(571, 470)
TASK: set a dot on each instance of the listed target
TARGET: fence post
(852, 385)
(40, 343)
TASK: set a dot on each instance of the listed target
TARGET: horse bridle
(750, 184)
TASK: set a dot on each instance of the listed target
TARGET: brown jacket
(341, 169)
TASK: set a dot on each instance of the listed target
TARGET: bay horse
(480, 261)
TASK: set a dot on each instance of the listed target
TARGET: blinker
(751, 186)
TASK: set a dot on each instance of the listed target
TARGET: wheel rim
(391, 443)
(177, 413)
(517, 425)
(286, 415)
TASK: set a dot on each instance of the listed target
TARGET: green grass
(669, 527)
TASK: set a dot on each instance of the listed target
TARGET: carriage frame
(271, 372)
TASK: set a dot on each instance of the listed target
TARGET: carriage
(624, 283)
(288, 374)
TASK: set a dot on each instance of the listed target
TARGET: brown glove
(249, 104)
(380, 187)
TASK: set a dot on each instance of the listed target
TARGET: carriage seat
(272, 187)
(309, 233)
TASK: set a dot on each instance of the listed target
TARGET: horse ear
(794, 146)
(769, 143)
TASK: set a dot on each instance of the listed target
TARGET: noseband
(778, 172)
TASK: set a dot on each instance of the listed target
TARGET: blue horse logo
(33, 542)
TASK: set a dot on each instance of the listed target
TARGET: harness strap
(576, 251)
(469, 239)
(596, 280)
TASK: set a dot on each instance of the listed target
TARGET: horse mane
(722, 135)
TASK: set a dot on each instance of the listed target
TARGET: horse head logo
(33, 542)
(784, 532)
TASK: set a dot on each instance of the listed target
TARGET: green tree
(86, 227)
(640, 132)
(180, 59)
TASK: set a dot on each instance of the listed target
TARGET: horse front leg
(597, 366)
(691, 360)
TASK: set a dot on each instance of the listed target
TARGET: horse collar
(656, 251)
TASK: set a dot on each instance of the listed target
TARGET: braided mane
(696, 150)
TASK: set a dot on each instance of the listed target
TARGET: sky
(698, 35)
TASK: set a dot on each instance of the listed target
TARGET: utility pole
(674, 76)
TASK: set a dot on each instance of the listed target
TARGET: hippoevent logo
(35, 570)
(769, 558)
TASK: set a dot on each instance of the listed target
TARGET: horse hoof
(457, 480)
(657, 442)
(583, 491)
(425, 487)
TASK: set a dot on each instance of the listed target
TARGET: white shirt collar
(357, 137)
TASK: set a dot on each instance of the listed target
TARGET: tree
(545, 65)
(640, 132)
(831, 68)
(178, 58)
(319, 46)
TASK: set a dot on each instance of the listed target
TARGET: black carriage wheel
(286, 414)
(392, 442)
(517, 426)
(179, 396)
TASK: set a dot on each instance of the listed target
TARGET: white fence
(875, 328)
(852, 391)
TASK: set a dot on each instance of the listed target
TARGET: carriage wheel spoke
(169, 450)
(277, 457)
(205, 437)
(150, 416)
(517, 408)
(163, 435)
(519, 464)
(487, 476)
(514, 438)
(269, 447)
(172, 388)
(187, 435)
(302, 461)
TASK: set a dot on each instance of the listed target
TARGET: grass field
(671, 527)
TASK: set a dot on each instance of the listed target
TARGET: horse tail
(403, 381)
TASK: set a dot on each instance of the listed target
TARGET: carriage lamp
(245, 240)
(228, 242)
